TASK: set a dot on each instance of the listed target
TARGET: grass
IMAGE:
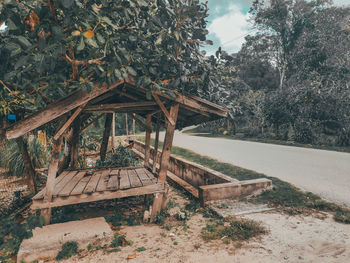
(233, 230)
(283, 195)
(271, 141)
(68, 250)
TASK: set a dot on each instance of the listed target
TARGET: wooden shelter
(78, 186)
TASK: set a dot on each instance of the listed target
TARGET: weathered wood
(139, 121)
(56, 109)
(145, 180)
(91, 122)
(74, 153)
(118, 106)
(91, 186)
(41, 194)
(189, 188)
(124, 181)
(97, 196)
(134, 179)
(79, 188)
(150, 176)
(29, 169)
(71, 184)
(113, 132)
(156, 144)
(168, 141)
(148, 140)
(102, 184)
(113, 183)
(164, 110)
(69, 121)
(106, 133)
(67, 179)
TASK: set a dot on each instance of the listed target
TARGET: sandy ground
(316, 239)
(321, 172)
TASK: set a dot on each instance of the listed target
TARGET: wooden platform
(73, 187)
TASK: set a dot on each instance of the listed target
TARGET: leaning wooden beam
(105, 138)
(91, 122)
(162, 107)
(148, 139)
(56, 110)
(69, 122)
(160, 199)
(156, 143)
(139, 121)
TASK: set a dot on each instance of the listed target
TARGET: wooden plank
(70, 185)
(56, 109)
(69, 121)
(151, 176)
(124, 181)
(105, 137)
(164, 110)
(156, 144)
(113, 183)
(118, 106)
(58, 187)
(134, 179)
(189, 188)
(102, 184)
(79, 188)
(97, 196)
(58, 179)
(145, 180)
(148, 140)
(91, 186)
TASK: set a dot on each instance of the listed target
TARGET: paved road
(326, 173)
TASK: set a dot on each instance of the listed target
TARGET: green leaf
(100, 38)
(132, 38)
(142, 3)
(81, 45)
(24, 41)
(131, 71)
(117, 74)
(148, 95)
(67, 3)
(92, 42)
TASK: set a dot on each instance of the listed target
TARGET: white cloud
(342, 2)
(231, 29)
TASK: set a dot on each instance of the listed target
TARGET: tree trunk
(29, 169)
(106, 133)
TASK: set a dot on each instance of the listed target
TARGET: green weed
(68, 250)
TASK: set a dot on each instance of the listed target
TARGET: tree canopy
(52, 48)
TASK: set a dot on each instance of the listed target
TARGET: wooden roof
(122, 96)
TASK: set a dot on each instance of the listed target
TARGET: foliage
(236, 230)
(342, 216)
(119, 241)
(140, 249)
(11, 157)
(122, 157)
(12, 233)
(63, 214)
(68, 250)
(52, 48)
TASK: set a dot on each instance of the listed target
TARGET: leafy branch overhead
(52, 48)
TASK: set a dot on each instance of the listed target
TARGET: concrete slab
(48, 240)
(229, 207)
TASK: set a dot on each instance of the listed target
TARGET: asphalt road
(326, 173)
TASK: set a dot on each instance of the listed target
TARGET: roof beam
(140, 122)
(56, 110)
(117, 106)
(164, 110)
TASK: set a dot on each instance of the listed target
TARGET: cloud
(342, 2)
(230, 29)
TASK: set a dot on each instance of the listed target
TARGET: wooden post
(75, 144)
(160, 198)
(50, 183)
(27, 163)
(113, 131)
(106, 133)
(148, 139)
(156, 143)
(126, 125)
(133, 126)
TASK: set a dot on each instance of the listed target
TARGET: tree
(52, 48)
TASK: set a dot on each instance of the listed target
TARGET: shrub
(122, 157)
(68, 250)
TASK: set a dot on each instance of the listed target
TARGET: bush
(69, 249)
(122, 157)
(304, 132)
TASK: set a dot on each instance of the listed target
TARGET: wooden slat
(79, 188)
(102, 184)
(151, 176)
(134, 179)
(91, 186)
(188, 187)
(41, 194)
(96, 196)
(145, 180)
(63, 183)
(124, 182)
(70, 186)
(113, 183)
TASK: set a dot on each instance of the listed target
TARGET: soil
(314, 238)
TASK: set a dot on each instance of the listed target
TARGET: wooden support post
(148, 140)
(106, 133)
(159, 199)
(156, 143)
(75, 144)
(50, 183)
(113, 132)
(126, 125)
(29, 169)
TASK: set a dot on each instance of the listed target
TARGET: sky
(228, 23)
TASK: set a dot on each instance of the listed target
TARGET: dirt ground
(314, 239)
